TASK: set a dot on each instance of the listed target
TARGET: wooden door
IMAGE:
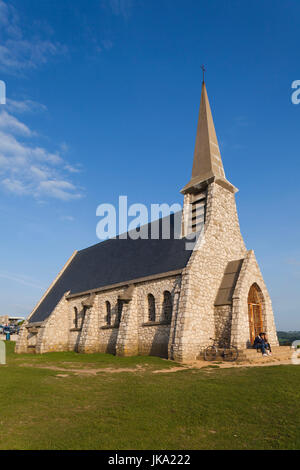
(255, 312)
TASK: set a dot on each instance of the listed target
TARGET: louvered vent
(198, 207)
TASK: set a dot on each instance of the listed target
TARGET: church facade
(160, 296)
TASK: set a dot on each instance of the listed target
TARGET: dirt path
(228, 365)
(224, 365)
(87, 371)
(186, 366)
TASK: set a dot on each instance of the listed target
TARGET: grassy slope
(189, 409)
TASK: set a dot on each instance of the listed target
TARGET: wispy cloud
(25, 106)
(67, 218)
(25, 280)
(120, 7)
(241, 121)
(59, 189)
(107, 44)
(20, 51)
(293, 261)
(30, 169)
(12, 124)
(73, 169)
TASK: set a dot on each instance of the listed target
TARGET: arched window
(167, 306)
(75, 317)
(255, 311)
(108, 313)
(151, 308)
(119, 312)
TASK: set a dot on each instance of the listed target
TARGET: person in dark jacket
(259, 343)
(267, 344)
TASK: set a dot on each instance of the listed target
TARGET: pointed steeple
(207, 166)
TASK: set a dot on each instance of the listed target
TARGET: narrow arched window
(151, 308)
(75, 317)
(108, 313)
(167, 306)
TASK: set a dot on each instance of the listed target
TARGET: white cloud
(59, 189)
(10, 123)
(25, 280)
(25, 106)
(25, 167)
(9, 19)
(14, 186)
(293, 261)
(41, 154)
(28, 169)
(18, 52)
(39, 173)
(121, 7)
(107, 44)
(67, 218)
(72, 169)
(64, 148)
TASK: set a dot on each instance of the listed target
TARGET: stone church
(158, 296)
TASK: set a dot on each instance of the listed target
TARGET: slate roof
(228, 284)
(118, 260)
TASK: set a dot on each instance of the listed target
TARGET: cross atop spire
(203, 71)
(207, 166)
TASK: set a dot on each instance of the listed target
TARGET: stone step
(275, 350)
(279, 353)
(258, 355)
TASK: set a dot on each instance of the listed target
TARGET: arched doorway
(255, 311)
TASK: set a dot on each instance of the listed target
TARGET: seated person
(267, 344)
(259, 343)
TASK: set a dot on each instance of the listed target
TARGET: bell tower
(207, 168)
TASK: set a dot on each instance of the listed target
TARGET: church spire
(207, 166)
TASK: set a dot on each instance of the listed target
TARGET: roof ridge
(119, 236)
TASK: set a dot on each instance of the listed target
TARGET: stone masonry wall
(223, 321)
(135, 334)
(75, 333)
(108, 335)
(127, 343)
(95, 335)
(51, 335)
(153, 337)
(27, 339)
(54, 333)
(22, 343)
(222, 242)
(89, 337)
(250, 274)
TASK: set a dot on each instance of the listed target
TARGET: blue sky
(102, 101)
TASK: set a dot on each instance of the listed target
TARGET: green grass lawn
(212, 408)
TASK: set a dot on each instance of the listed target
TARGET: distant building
(155, 296)
(9, 320)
